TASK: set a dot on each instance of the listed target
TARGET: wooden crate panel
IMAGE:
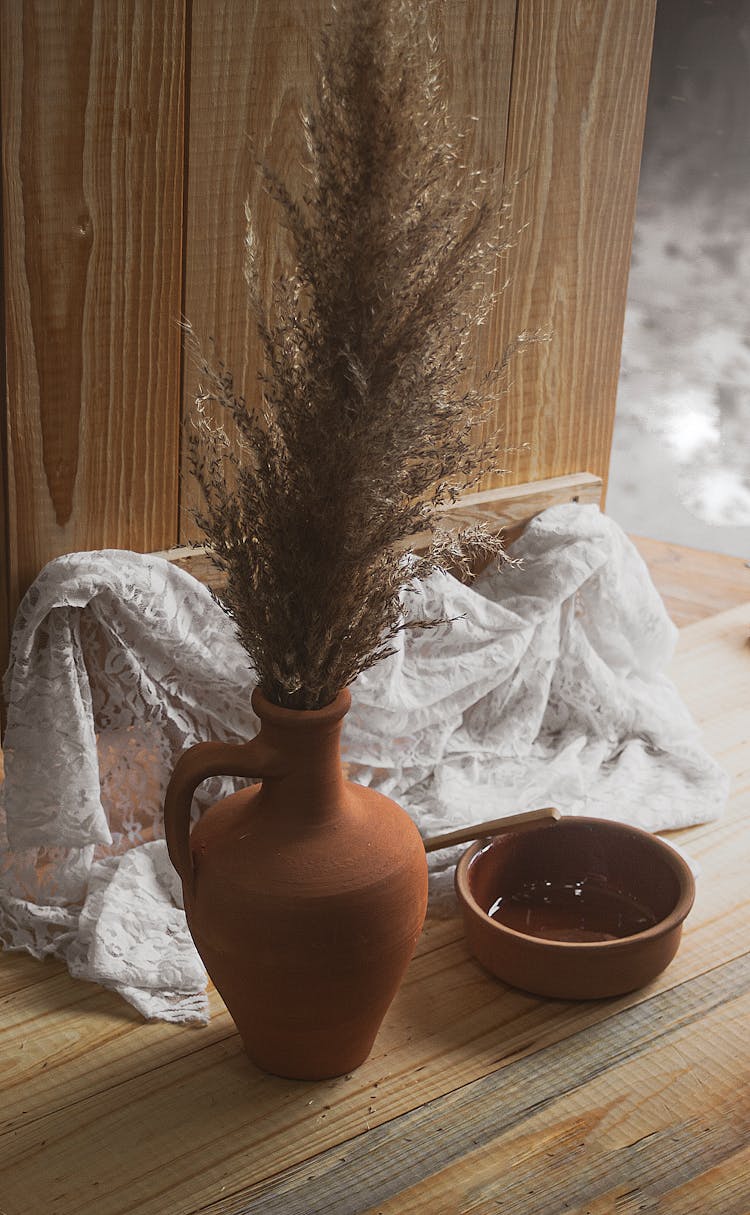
(92, 105)
(577, 107)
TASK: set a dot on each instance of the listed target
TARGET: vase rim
(277, 715)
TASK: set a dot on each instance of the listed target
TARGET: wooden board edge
(506, 510)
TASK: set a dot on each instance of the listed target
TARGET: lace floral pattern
(548, 687)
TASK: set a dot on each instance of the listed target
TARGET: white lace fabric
(547, 688)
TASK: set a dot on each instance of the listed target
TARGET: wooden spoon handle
(496, 826)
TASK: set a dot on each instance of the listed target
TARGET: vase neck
(313, 775)
(307, 744)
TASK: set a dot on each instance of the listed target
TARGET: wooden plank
(18, 970)
(302, 1102)
(70, 1041)
(116, 1084)
(92, 200)
(642, 1130)
(63, 1039)
(694, 584)
(506, 510)
(726, 1183)
(580, 77)
(572, 1118)
(719, 643)
(252, 68)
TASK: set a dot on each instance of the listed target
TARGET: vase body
(305, 895)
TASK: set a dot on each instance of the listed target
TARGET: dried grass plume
(358, 432)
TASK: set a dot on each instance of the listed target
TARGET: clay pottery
(305, 895)
(581, 909)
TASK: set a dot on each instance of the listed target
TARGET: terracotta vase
(305, 895)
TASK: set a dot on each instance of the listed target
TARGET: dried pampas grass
(360, 432)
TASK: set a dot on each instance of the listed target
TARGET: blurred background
(680, 467)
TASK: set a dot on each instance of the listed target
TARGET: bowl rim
(664, 926)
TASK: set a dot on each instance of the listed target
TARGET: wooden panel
(580, 74)
(92, 105)
(106, 1115)
(252, 67)
(92, 198)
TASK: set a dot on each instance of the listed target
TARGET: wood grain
(92, 106)
(572, 1118)
(252, 68)
(509, 509)
(160, 1120)
(577, 108)
(694, 584)
(20, 970)
(613, 1120)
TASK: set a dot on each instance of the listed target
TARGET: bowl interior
(583, 880)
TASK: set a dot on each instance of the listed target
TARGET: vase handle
(198, 763)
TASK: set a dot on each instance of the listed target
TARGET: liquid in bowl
(583, 910)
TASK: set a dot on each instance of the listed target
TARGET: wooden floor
(477, 1099)
(695, 584)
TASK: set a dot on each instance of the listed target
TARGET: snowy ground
(680, 467)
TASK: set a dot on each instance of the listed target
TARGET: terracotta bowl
(579, 909)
